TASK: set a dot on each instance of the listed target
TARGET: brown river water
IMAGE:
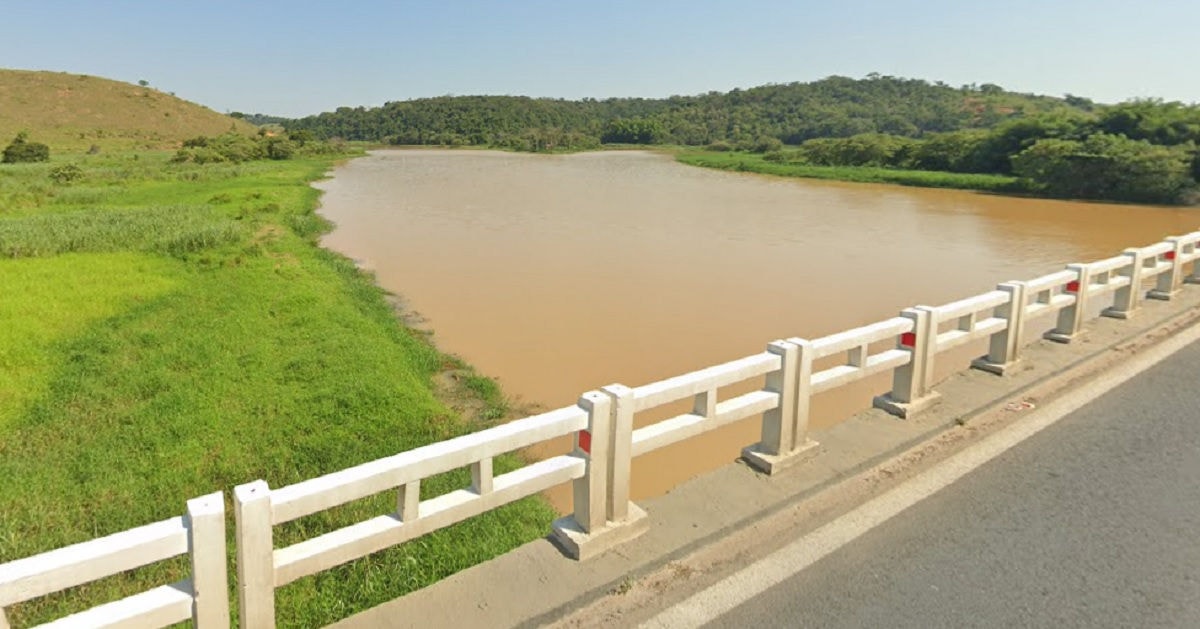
(560, 274)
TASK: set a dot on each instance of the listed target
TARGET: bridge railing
(605, 442)
(258, 508)
(203, 598)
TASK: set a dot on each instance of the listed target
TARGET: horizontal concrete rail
(352, 542)
(331, 490)
(708, 413)
(1048, 293)
(1103, 277)
(860, 363)
(258, 508)
(974, 317)
(203, 598)
(699, 382)
(1189, 245)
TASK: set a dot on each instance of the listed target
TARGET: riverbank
(758, 163)
(742, 161)
(169, 330)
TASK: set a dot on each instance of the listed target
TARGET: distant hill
(792, 113)
(71, 112)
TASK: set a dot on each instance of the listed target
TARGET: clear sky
(300, 57)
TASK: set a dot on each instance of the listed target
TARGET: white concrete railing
(258, 508)
(204, 598)
(605, 441)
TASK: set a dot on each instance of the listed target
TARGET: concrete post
(1127, 298)
(1004, 346)
(255, 555)
(910, 393)
(621, 459)
(1167, 284)
(1193, 277)
(3, 619)
(408, 501)
(591, 491)
(206, 545)
(592, 529)
(1070, 319)
(785, 439)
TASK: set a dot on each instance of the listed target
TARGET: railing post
(927, 348)
(785, 439)
(1127, 298)
(1070, 319)
(1168, 282)
(910, 393)
(1004, 346)
(621, 449)
(255, 555)
(592, 528)
(1190, 252)
(206, 546)
(3, 619)
(591, 491)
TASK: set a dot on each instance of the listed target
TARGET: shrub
(198, 155)
(66, 173)
(767, 144)
(280, 148)
(22, 150)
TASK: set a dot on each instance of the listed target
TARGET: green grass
(173, 230)
(752, 162)
(137, 372)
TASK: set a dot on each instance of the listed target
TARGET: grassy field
(753, 162)
(170, 330)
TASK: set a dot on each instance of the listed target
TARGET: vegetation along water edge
(171, 327)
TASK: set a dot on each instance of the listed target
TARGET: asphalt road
(1093, 522)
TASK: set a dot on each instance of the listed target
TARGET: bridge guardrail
(258, 508)
(204, 598)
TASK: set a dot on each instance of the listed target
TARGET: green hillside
(72, 112)
(791, 113)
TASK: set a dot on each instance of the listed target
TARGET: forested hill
(791, 113)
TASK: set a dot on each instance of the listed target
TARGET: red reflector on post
(1073, 287)
(585, 441)
(1170, 255)
(908, 339)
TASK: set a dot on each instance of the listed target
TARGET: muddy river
(560, 274)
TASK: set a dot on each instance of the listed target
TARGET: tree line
(1142, 151)
(1072, 147)
(792, 113)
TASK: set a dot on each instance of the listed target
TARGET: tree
(865, 149)
(143, 82)
(958, 152)
(1014, 136)
(22, 150)
(1105, 166)
(631, 131)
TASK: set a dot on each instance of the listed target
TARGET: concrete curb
(535, 585)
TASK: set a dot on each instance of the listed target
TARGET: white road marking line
(721, 597)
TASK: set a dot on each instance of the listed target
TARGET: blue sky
(300, 57)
